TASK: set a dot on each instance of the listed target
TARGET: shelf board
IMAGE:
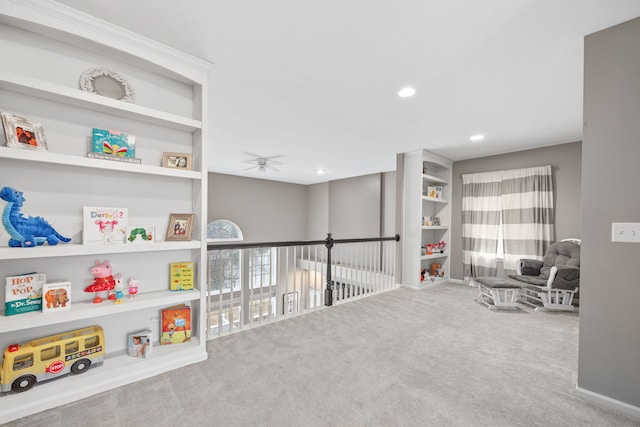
(115, 371)
(434, 179)
(87, 309)
(77, 249)
(86, 162)
(434, 256)
(78, 98)
(427, 283)
(433, 199)
(435, 227)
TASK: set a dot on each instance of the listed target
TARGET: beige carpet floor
(402, 358)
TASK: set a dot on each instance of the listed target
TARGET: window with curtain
(517, 204)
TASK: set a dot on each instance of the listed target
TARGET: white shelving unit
(417, 207)
(169, 115)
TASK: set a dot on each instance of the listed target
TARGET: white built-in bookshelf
(421, 170)
(168, 115)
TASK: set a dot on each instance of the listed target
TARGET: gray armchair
(555, 280)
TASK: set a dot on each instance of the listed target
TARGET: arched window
(223, 230)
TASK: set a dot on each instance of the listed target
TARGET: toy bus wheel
(23, 383)
(80, 366)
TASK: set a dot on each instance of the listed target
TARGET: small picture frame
(435, 220)
(180, 226)
(23, 133)
(177, 161)
(290, 305)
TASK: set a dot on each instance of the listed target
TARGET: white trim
(457, 281)
(608, 402)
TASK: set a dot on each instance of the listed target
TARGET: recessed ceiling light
(320, 171)
(406, 92)
(477, 138)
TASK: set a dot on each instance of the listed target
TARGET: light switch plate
(625, 232)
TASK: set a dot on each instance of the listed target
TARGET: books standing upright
(181, 276)
(139, 344)
(23, 293)
(175, 327)
(56, 296)
(104, 225)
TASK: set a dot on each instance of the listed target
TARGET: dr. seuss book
(181, 276)
(23, 293)
(113, 142)
(139, 344)
(140, 234)
(102, 226)
(56, 296)
(175, 324)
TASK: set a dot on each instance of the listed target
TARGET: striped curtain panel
(527, 214)
(481, 208)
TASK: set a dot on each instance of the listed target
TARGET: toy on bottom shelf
(103, 280)
(28, 231)
(23, 365)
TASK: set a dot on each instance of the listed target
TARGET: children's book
(175, 324)
(104, 225)
(140, 344)
(23, 293)
(113, 142)
(181, 276)
(140, 234)
(56, 296)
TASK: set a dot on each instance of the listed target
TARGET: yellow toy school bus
(50, 357)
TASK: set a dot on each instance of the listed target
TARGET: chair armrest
(564, 277)
(529, 267)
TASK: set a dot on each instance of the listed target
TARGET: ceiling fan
(262, 163)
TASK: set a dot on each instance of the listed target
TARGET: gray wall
(566, 158)
(317, 211)
(354, 207)
(264, 210)
(274, 211)
(609, 347)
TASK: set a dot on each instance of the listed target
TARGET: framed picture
(177, 161)
(290, 305)
(23, 133)
(180, 227)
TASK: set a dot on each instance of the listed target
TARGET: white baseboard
(456, 281)
(608, 402)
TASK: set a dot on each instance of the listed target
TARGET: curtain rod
(555, 168)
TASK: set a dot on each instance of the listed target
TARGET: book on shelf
(104, 225)
(435, 191)
(23, 293)
(114, 157)
(175, 324)
(113, 142)
(56, 296)
(182, 276)
(139, 344)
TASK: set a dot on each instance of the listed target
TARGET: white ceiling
(316, 82)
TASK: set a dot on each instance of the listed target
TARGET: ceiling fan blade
(275, 169)
(252, 167)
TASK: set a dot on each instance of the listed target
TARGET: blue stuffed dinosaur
(25, 231)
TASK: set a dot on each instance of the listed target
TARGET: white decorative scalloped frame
(88, 76)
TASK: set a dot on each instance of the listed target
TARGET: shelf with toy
(432, 256)
(433, 199)
(116, 370)
(77, 98)
(85, 162)
(88, 310)
(77, 249)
